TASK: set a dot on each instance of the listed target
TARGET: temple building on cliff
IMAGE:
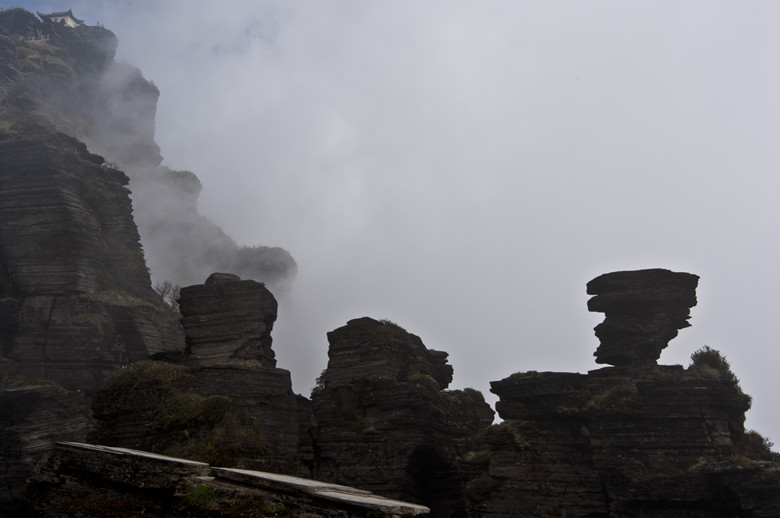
(65, 17)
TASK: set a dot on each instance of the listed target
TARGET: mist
(465, 169)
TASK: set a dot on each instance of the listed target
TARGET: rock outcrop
(34, 417)
(66, 79)
(89, 480)
(634, 440)
(76, 302)
(644, 309)
(228, 319)
(366, 347)
(77, 299)
(77, 309)
(384, 422)
(223, 400)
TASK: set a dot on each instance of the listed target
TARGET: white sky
(465, 168)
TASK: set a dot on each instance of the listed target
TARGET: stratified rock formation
(384, 422)
(644, 309)
(222, 401)
(90, 480)
(66, 79)
(78, 318)
(227, 318)
(77, 301)
(634, 440)
(367, 348)
(33, 418)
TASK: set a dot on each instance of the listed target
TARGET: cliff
(66, 79)
(89, 352)
(77, 299)
(222, 400)
(76, 302)
(635, 439)
(385, 421)
(88, 480)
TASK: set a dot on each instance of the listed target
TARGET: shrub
(424, 380)
(706, 357)
(481, 457)
(169, 292)
(319, 383)
(618, 398)
(201, 496)
(146, 375)
(389, 327)
(277, 509)
(478, 489)
(754, 446)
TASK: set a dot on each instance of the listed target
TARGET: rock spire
(643, 310)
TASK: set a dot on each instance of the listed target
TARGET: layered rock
(643, 311)
(34, 417)
(222, 401)
(67, 79)
(635, 440)
(227, 318)
(384, 422)
(366, 347)
(91, 480)
(77, 299)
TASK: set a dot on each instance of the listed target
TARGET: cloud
(464, 169)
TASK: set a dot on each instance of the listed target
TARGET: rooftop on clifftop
(65, 17)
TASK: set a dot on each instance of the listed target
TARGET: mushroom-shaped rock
(643, 310)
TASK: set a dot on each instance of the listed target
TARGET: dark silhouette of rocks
(222, 400)
(77, 298)
(366, 347)
(385, 423)
(66, 79)
(75, 482)
(637, 439)
(621, 442)
(644, 309)
(82, 332)
(227, 318)
(34, 417)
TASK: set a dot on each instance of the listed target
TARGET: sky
(465, 168)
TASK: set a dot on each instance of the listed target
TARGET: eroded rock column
(643, 310)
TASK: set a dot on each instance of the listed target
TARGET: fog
(464, 169)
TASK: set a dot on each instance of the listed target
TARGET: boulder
(227, 318)
(643, 310)
(366, 347)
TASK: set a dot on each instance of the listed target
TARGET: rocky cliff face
(637, 439)
(76, 301)
(66, 79)
(76, 307)
(34, 417)
(626, 440)
(223, 400)
(77, 297)
(89, 480)
(385, 422)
